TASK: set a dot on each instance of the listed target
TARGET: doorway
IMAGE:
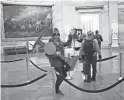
(89, 22)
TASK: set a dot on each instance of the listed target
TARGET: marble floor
(108, 73)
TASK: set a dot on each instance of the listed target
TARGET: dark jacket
(55, 60)
(99, 38)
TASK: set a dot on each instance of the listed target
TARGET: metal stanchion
(121, 92)
(53, 80)
(27, 66)
(120, 63)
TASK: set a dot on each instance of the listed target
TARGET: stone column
(113, 19)
(105, 27)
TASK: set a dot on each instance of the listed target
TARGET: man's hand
(58, 53)
(95, 54)
(83, 56)
(100, 56)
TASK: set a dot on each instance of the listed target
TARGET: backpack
(88, 47)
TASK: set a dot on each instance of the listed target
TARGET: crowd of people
(89, 51)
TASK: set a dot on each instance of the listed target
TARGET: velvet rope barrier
(94, 91)
(11, 61)
(38, 67)
(24, 84)
(104, 59)
(90, 91)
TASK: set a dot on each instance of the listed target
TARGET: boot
(59, 92)
(93, 77)
(88, 80)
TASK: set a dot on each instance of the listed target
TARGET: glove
(100, 56)
(80, 58)
(83, 56)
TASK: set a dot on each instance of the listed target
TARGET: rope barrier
(38, 67)
(31, 44)
(23, 84)
(11, 61)
(106, 58)
(45, 70)
(84, 90)
(94, 91)
(90, 91)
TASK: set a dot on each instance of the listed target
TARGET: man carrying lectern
(54, 50)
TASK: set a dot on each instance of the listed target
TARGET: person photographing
(56, 46)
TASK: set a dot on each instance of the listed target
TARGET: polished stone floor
(108, 73)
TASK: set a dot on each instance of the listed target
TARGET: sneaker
(87, 80)
(60, 93)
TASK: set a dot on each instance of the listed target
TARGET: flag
(38, 41)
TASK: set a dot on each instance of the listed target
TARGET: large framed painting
(26, 20)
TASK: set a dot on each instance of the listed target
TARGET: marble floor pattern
(108, 72)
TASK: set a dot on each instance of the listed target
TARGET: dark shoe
(60, 93)
(87, 80)
(93, 79)
(68, 68)
(82, 71)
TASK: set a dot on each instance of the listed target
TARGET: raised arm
(69, 41)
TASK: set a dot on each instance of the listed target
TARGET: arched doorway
(89, 22)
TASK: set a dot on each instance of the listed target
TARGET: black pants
(59, 80)
(99, 45)
(91, 61)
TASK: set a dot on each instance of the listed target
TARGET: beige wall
(65, 17)
(121, 26)
(71, 17)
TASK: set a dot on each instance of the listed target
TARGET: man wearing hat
(88, 53)
(55, 60)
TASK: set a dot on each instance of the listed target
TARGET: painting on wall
(22, 21)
